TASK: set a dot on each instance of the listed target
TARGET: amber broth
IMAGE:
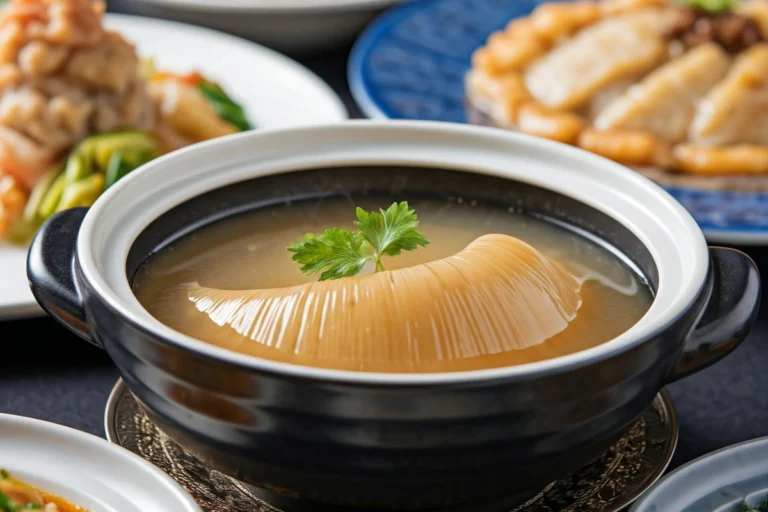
(249, 252)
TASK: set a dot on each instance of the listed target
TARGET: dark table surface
(48, 373)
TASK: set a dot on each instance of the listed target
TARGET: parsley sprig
(341, 252)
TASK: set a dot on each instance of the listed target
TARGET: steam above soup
(491, 288)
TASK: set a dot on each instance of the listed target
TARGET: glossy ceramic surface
(86, 470)
(394, 441)
(410, 64)
(275, 91)
(716, 482)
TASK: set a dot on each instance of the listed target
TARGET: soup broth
(248, 251)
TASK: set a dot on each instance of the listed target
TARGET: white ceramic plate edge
(101, 465)
(747, 460)
(166, 30)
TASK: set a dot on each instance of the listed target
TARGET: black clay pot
(386, 440)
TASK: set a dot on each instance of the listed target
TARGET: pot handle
(728, 314)
(51, 271)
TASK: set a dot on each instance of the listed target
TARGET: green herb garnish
(227, 109)
(711, 6)
(4, 475)
(341, 253)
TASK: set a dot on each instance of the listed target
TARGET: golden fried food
(644, 82)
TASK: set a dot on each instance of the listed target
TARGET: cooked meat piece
(664, 103)
(736, 110)
(507, 53)
(734, 32)
(541, 121)
(568, 76)
(62, 77)
(109, 66)
(632, 148)
(499, 97)
(735, 159)
(608, 95)
(13, 197)
(65, 22)
(39, 58)
(22, 158)
(553, 21)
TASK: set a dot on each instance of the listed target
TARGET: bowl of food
(677, 97)
(53, 468)
(472, 314)
(731, 479)
(670, 88)
(82, 107)
(80, 110)
(295, 26)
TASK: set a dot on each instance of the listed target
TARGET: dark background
(48, 373)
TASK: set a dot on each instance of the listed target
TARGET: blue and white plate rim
(711, 207)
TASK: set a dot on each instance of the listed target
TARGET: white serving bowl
(86, 470)
(293, 26)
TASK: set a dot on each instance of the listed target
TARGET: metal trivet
(611, 483)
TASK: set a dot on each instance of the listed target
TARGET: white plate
(274, 90)
(86, 470)
(716, 482)
(305, 26)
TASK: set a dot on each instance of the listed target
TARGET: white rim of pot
(661, 223)
(272, 6)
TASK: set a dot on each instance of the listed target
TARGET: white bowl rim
(680, 283)
(272, 6)
(31, 426)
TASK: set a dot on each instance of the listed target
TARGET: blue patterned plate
(410, 64)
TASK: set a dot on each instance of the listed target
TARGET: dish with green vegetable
(273, 91)
(18, 496)
(79, 110)
(48, 467)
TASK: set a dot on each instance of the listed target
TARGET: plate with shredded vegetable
(88, 97)
(733, 479)
(51, 468)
